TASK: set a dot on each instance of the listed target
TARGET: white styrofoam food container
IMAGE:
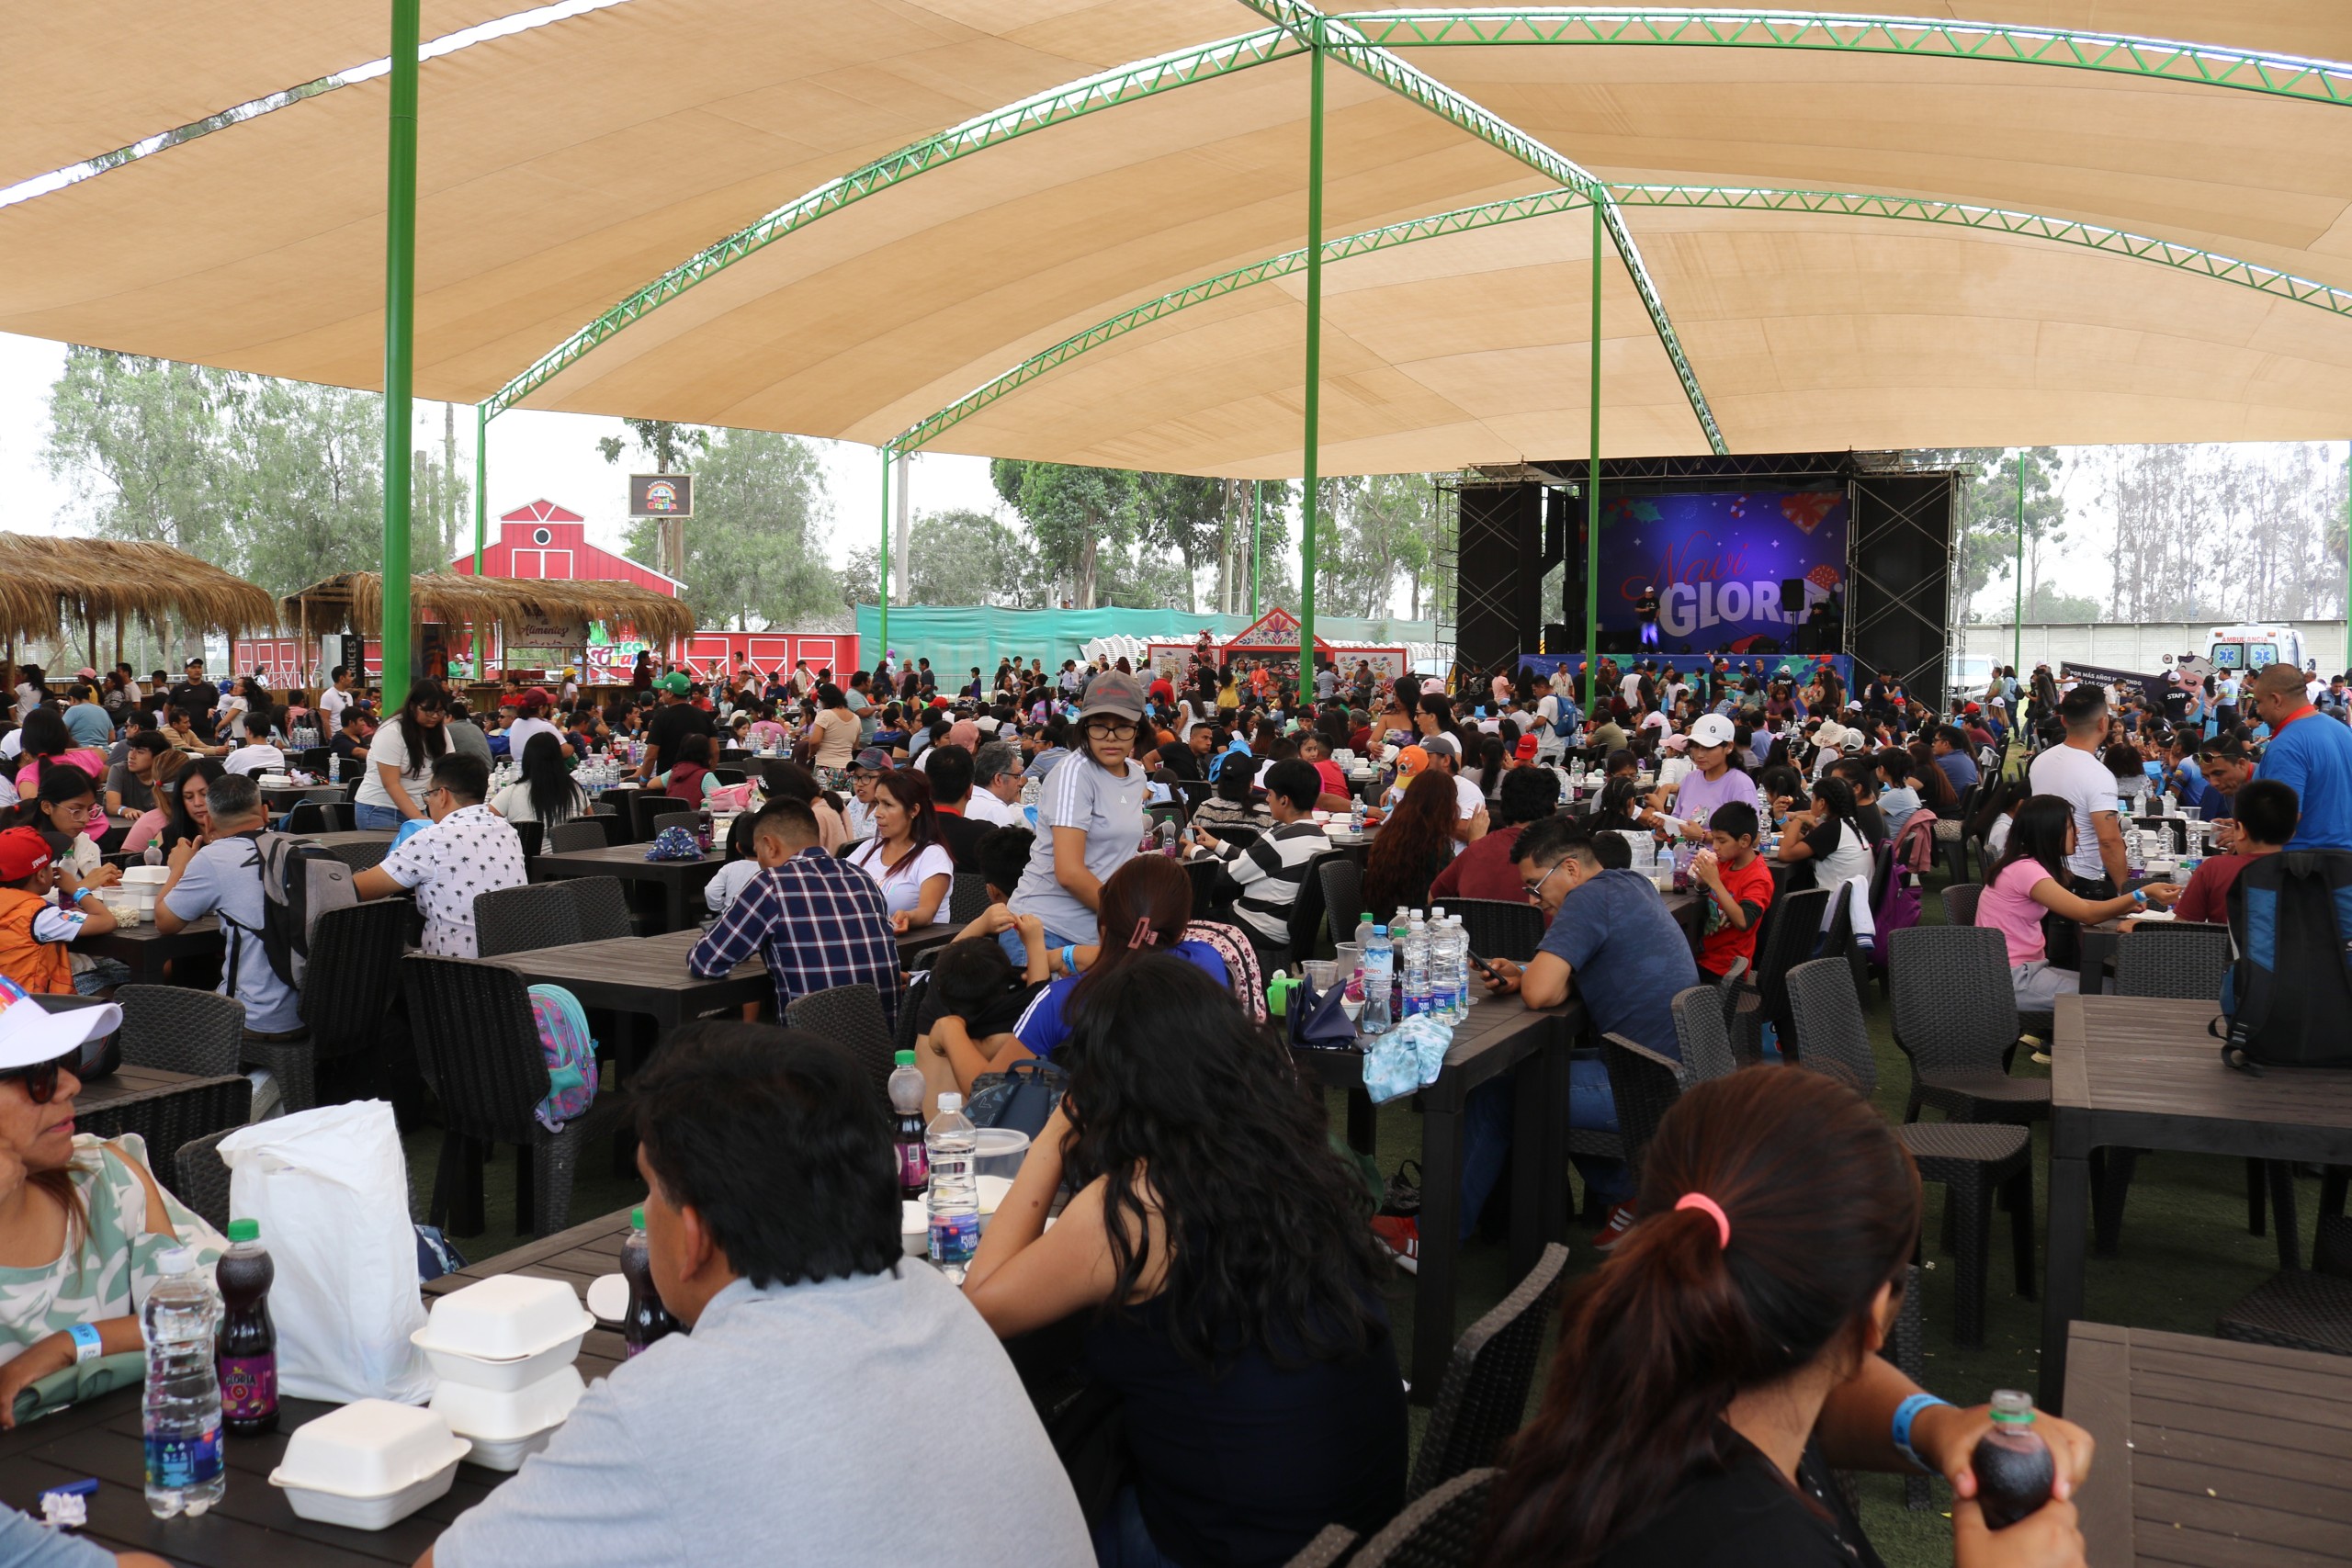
(507, 1425)
(504, 1333)
(367, 1465)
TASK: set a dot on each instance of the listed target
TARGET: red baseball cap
(1526, 748)
(22, 853)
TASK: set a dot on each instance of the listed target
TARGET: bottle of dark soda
(906, 1127)
(2014, 1473)
(246, 1349)
(647, 1320)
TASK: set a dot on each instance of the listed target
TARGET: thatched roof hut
(48, 584)
(357, 599)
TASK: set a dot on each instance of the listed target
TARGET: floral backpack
(673, 844)
(571, 1053)
(1241, 962)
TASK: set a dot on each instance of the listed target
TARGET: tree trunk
(1083, 590)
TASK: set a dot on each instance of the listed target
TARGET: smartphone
(1485, 968)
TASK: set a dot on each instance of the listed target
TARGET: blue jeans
(1010, 940)
(1487, 1121)
(1122, 1541)
(372, 816)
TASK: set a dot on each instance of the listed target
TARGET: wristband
(1905, 1413)
(2139, 897)
(86, 1345)
(79, 894)
(1070, 957)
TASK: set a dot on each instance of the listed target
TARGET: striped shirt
(818, 920)
(1269, 872)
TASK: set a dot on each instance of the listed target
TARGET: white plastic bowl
(914, 1227)
(504, 1318)
(369, 1464)
(998, 1151)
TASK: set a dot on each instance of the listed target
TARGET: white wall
(2139, 647)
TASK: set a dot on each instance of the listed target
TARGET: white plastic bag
(330, 1188)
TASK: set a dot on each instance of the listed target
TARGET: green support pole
(481, 481)
(882, 578)
(1592, 496)
(2016, 620)
(1257, 528)
(400, 331)
(1306, 496)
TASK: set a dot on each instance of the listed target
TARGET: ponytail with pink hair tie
(1707, 1205)
(1144, 936)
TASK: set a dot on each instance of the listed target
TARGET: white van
(2246, 648)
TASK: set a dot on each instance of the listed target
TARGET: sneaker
(1621, 1220)
(1400, 1236)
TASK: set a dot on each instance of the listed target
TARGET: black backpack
(2287, 996)
(300, 881)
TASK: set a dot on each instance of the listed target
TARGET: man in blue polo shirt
(2309, 753)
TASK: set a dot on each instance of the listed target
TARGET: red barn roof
(546, 541)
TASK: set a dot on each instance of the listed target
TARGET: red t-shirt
(1334, 781)
(1484, 870)
(1724, 942)
(2207, 896)
(1162, 691)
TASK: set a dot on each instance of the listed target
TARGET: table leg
(2062, 1301)
(2282, 1212)
(1530, 1112)
(673, 889)
(1441, 1229)
(1363, 1125)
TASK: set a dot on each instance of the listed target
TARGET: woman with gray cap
(1090, 816)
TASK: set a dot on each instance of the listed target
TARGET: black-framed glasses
(40, 1079)
(1102, 729)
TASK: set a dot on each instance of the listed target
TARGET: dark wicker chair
(479, 1049)
(850, 1017)
(582, 833)
(531, 833)
(1499, 929)
(1973, 1162)
(1840, 943)
(200, 1179)
(1306, 911)
(1792, 929)
(968, 897)
(1704, 1035)
(1483, 1398)
(521, 920)
(2185, 963)
(689, 820)
(2302, 1310)
(180, 1031)
(1956, 1019)
(1342, 881)
(1444, 1528)
(362, 854)
(358, 950)
(1645, 1085)
(643, 807)
(602, 904)
(166, 1118)
(1960, 903)
(310, 817)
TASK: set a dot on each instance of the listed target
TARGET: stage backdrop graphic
(1720, 562)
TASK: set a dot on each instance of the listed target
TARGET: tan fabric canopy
(565, 166)
(48, 584)
(456, 600)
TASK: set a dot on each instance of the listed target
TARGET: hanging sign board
(661, 495)
(546, 631)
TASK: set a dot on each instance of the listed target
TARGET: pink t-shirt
(2007, 906)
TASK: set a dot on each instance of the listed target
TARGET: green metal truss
(2286, 76)
(1087, 96)
(1486, 216)
(1339, 37)
(2031, 225)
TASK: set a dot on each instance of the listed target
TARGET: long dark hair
(424, 742)
(60, 782)
(1412, 846)
(554, 797)
(1267, 1248)
(183, 826)
(2037, 832)
(1655, 1343)
(44, 734)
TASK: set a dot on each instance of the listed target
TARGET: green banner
(956, 637)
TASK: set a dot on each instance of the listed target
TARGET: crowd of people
(1220, 1252)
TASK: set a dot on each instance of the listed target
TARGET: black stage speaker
(1500, 527)
(1898, 595)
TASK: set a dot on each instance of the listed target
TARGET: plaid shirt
(818, 922)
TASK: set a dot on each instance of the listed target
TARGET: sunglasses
(41, 1079)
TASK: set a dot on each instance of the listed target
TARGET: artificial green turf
(2185, 1256)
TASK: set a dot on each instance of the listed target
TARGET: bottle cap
(1380, 930)
(903, 1058)
(244, 1230)
(950, 1103)
(2012, 1407)
(175, 1261)
(637, 1219)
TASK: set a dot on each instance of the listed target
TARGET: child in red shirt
(1738, 885)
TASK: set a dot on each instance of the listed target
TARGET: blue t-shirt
(1046, 1024)
(88, 725)
(1629, 956)
(1961, 769)
(2312, 756)
(224, 879)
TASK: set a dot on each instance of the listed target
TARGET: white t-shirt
(230, 718)
(513, 803)
(331, 703)
(1629, 688)
(519, 733)
(719, 896)
(901, 885)
(389, 751)
(255, 758)
(985, 808)
(2084, 783)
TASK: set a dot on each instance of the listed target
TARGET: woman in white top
(401, 759)
(545, 793)
(532, 721)
(905, 857)
(1834, 841)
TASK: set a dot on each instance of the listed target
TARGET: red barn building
(546, 540)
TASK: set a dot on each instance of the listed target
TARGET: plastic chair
(1342, 881)
(531, 833)
(850, 1017)
(309, 816)
(1444, 1528)
(476, 1039)
(690, 821)
(362, 854)
(1960, 902)
(967, 896)
(1307, 910)
(1483, 1398)
(200, 1177)
(166, 1118)
(601, 905)
(521, 919)
(1974, 1161)
(179, 1030)
(2302, 1310)
(1956, 1019)
(643, 807)
(1499, 929)
(1645, 1085)
(580, 834)
(354, 987)
(1792, 928)
(1703, 1034)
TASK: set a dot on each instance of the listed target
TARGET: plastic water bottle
(2135, 852)
(183, 1407)
(1413, 965)
(1378, 970)
(954, 1203)
(1450, 968)
(1355, 814)
(906, 1126)
(2172, 806)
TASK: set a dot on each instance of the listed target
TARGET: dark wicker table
(1500, 1035)
(643, 974)
(150, 1101)
(2133, 1072)
(2211, 1451)
(146, 949)
(681, 881)
(252, 1524)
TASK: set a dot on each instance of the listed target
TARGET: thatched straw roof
(477, 601)
(46, 584)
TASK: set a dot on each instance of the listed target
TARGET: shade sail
(563, 167)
